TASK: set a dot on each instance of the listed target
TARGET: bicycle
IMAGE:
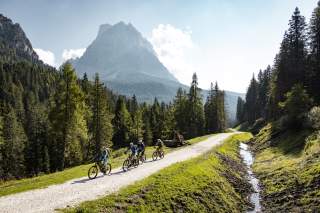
(157, 154)
(94, 170)
(142, 158)
(130, 162)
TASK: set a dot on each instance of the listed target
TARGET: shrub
(314, 117)
(296, 105)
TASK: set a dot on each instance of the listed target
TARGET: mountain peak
(12, 37)
(120, 28)
(103, 28)
(120, 51)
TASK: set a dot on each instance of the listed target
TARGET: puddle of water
(248, 160)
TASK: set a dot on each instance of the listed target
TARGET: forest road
(82, 189)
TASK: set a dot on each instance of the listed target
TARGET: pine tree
(14, 146)
(314, 71)
(252, 105)
(264, 79)
(169, 123)
(215, 114)
(155, 119)
(102, 130)
(121, 124)
(290, 64)
(195, 111)
(1, 149)
(297, 102)
(69, 130)
(136, 131)
(180, 111)
(37, 146)
(147, 135)
(240, 110)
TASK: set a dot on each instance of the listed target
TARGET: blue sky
(221, 40)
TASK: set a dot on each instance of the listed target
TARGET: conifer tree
(240, 110)
(180, 110)
(314, 43)
(215, 114)
(121, 124)
(102, 130)
(155, 119)
(13, 148)
(69, 130)
(252, 105)
(1, 148)
(290, 64)
(37, 158)
(195, 111)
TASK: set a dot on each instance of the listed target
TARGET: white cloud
(72, 53)
(46, 56)
(173, 47)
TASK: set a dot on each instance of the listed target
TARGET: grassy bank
(288, 166)
(15, 186)
(212, 182)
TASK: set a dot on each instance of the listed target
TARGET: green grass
(288, 164)
(212, 182)
(16, 186)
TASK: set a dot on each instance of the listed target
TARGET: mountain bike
(94, 170)
(130, 162)
(142, 158)
(158, 154)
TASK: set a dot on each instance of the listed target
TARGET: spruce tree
(314, 43)
(290, 65)
(69, 129)
(13, 148)
(102, 130)
(240, 110)
(155, 119)
(121, 124)
(195, 111)
(37, 158)
(180, 111)
(252, 105)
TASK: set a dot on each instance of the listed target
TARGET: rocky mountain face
(120, 54)
(128, 65)
(14, 44)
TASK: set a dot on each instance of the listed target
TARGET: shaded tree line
(291, 86)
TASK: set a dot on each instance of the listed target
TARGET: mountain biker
(103, 158)
(141, 148)
(105, 155)
(133, 149)
(159, 145)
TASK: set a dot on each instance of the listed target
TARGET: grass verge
(213, 182)
(16, 186)
(288, 166)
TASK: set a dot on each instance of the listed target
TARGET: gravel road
(76, 191)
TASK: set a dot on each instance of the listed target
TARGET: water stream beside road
(248, 160)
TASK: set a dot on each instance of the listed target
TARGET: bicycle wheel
(155, 155)
(161, 154)
(142, 158)
(108, 169)
(136, 163)
(93, 172)
(126, 165)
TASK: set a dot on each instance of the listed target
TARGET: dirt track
(78, 190)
